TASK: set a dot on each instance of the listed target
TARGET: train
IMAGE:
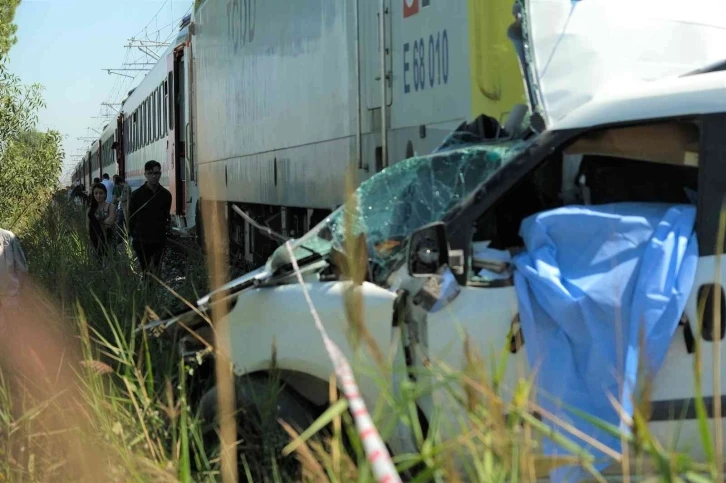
(273, 104)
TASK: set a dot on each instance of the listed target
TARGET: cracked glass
(406, 196)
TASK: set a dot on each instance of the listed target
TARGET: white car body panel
(281, 314)
(485, 315)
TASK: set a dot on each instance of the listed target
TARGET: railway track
(189, 248)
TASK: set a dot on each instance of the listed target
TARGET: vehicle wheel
(260, 437)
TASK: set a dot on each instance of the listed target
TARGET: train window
(160, 101)
(158, 111)
(425, 3)
(153, 116)
(154, 124)
(142, 125)
(145, 125)
(165, 106)
(140, 128)
(149, 117)
(146, 121)
(152, 101)
(170, 98)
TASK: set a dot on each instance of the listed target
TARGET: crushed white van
(616, 122)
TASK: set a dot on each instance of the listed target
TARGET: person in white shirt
(109, 187)
(13, 267)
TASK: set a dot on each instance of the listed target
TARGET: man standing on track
(149, 216)
(13, 268)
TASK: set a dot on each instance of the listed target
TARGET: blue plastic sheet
(592, 278)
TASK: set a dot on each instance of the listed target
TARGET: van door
(704, 311)
(487, 312)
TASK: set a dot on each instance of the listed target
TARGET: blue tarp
(590, 279)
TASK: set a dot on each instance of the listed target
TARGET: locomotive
(275, 103)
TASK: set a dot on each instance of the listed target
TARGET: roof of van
(671, 97)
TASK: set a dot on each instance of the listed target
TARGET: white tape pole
(376, 451)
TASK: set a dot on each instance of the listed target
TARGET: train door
(89, 170)
(376, 70)
(99, 157)
(180, 131)
(176, 151)
(119, 146)
(171, 132)
(190, 181)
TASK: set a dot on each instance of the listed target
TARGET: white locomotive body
(290, 97)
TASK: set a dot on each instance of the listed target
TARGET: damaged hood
(576, 51)
(202, 305)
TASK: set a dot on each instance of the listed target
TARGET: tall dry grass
(82, 398)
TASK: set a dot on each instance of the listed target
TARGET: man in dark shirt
(149, 217)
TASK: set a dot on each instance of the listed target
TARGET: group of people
(144, 215)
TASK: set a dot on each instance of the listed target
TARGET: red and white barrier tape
(376, 451)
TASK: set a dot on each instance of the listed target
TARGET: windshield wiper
(271, 234)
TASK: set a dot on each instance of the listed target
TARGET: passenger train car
(267, 105)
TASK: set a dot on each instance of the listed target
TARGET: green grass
(84, 399)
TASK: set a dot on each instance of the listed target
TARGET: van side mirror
(428, 250)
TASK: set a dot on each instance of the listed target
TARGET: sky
(65, 45)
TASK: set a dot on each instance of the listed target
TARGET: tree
(19, 106)
(30, 161)
(7, 27)
(29, 170)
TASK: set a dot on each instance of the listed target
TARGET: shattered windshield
(404, 197)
